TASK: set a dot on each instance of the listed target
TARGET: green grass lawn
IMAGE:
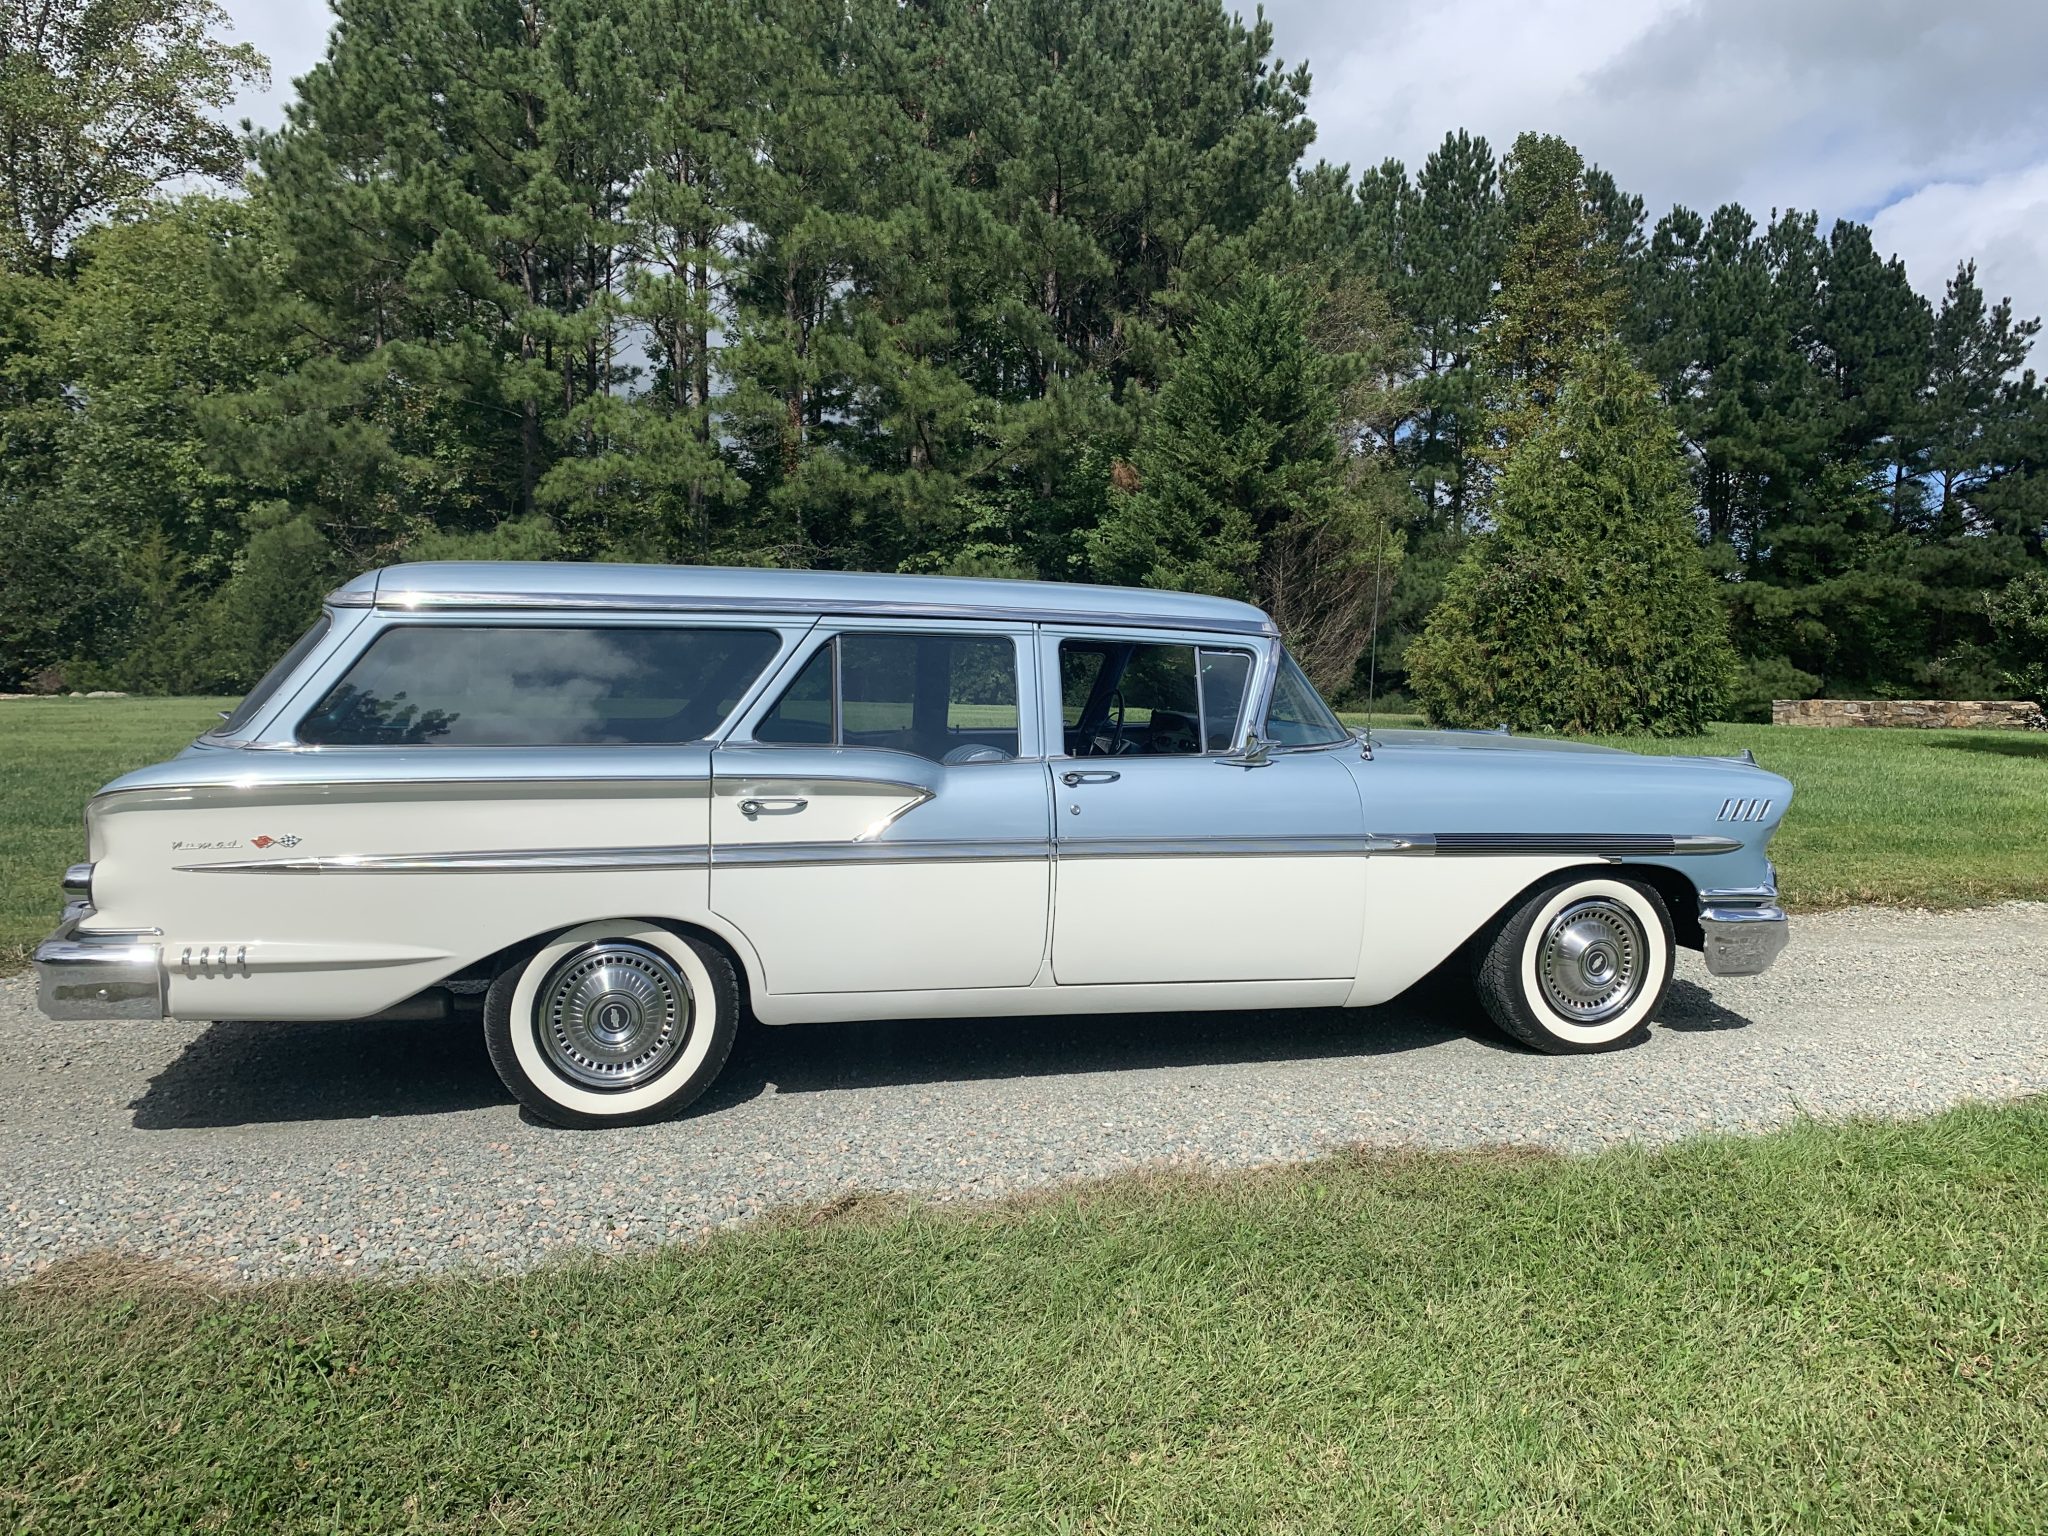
(1901, 817)
(1934, 818)
(1828, 1329)
(53, 754)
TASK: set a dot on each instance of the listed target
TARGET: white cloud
(2001, 222)
(1927, 118)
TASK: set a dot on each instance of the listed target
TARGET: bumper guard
(116, 975)
(1744, 931)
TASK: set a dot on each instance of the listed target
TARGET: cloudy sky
(1926, 118)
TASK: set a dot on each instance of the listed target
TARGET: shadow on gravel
(247, 1074)
(894, 1053)
(1690, 1008)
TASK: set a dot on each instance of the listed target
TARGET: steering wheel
(1117, 745)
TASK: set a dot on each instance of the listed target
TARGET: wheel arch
(722, 937)
(1679, 895)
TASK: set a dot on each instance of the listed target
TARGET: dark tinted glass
(502, 686)
(286, 665)
(804, 713)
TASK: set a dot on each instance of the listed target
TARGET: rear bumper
(99, 975)
(1743, 931)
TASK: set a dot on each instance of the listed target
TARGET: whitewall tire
(612, 1023)
(1582, 964)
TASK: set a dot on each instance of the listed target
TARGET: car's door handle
(1090, 776)
(772, 805)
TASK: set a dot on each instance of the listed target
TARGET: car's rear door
(880, 824)
(1175, 864)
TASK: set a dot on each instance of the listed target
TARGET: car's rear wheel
(612, 1023)
(1580, 965)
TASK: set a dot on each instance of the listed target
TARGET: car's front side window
(1122, 698)
(1298, 717)
(951, 698)
(469, 685)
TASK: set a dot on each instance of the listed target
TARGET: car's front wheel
(612, 1023)
(1581, 965)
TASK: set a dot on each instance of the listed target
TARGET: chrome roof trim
(850, 608)
(564, 587)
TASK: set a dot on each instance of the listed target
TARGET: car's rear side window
(532, 685)
(952, 698)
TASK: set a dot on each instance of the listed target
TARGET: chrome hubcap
(1591, 960)
(613, 1015)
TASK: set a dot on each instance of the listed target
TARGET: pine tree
(1587, 608)
(1560, 289)
(1453, 243)
(1241, 485)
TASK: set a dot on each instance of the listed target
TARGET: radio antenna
(1372, 668)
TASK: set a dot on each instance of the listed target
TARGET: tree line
(1046, 289)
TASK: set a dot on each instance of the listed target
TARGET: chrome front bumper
(1743, 931)
(98, 975)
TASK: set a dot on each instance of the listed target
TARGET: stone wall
(1927, 714)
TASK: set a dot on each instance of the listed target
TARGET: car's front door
(1175, 863)
(881, 825)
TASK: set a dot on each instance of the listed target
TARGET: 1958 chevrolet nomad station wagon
(625, 802)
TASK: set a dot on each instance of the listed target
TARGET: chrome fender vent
(1744, 810)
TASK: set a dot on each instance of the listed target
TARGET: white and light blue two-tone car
(627, 803)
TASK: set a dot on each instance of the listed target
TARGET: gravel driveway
(247, 1150)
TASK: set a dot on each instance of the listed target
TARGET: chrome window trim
(1053, 714)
